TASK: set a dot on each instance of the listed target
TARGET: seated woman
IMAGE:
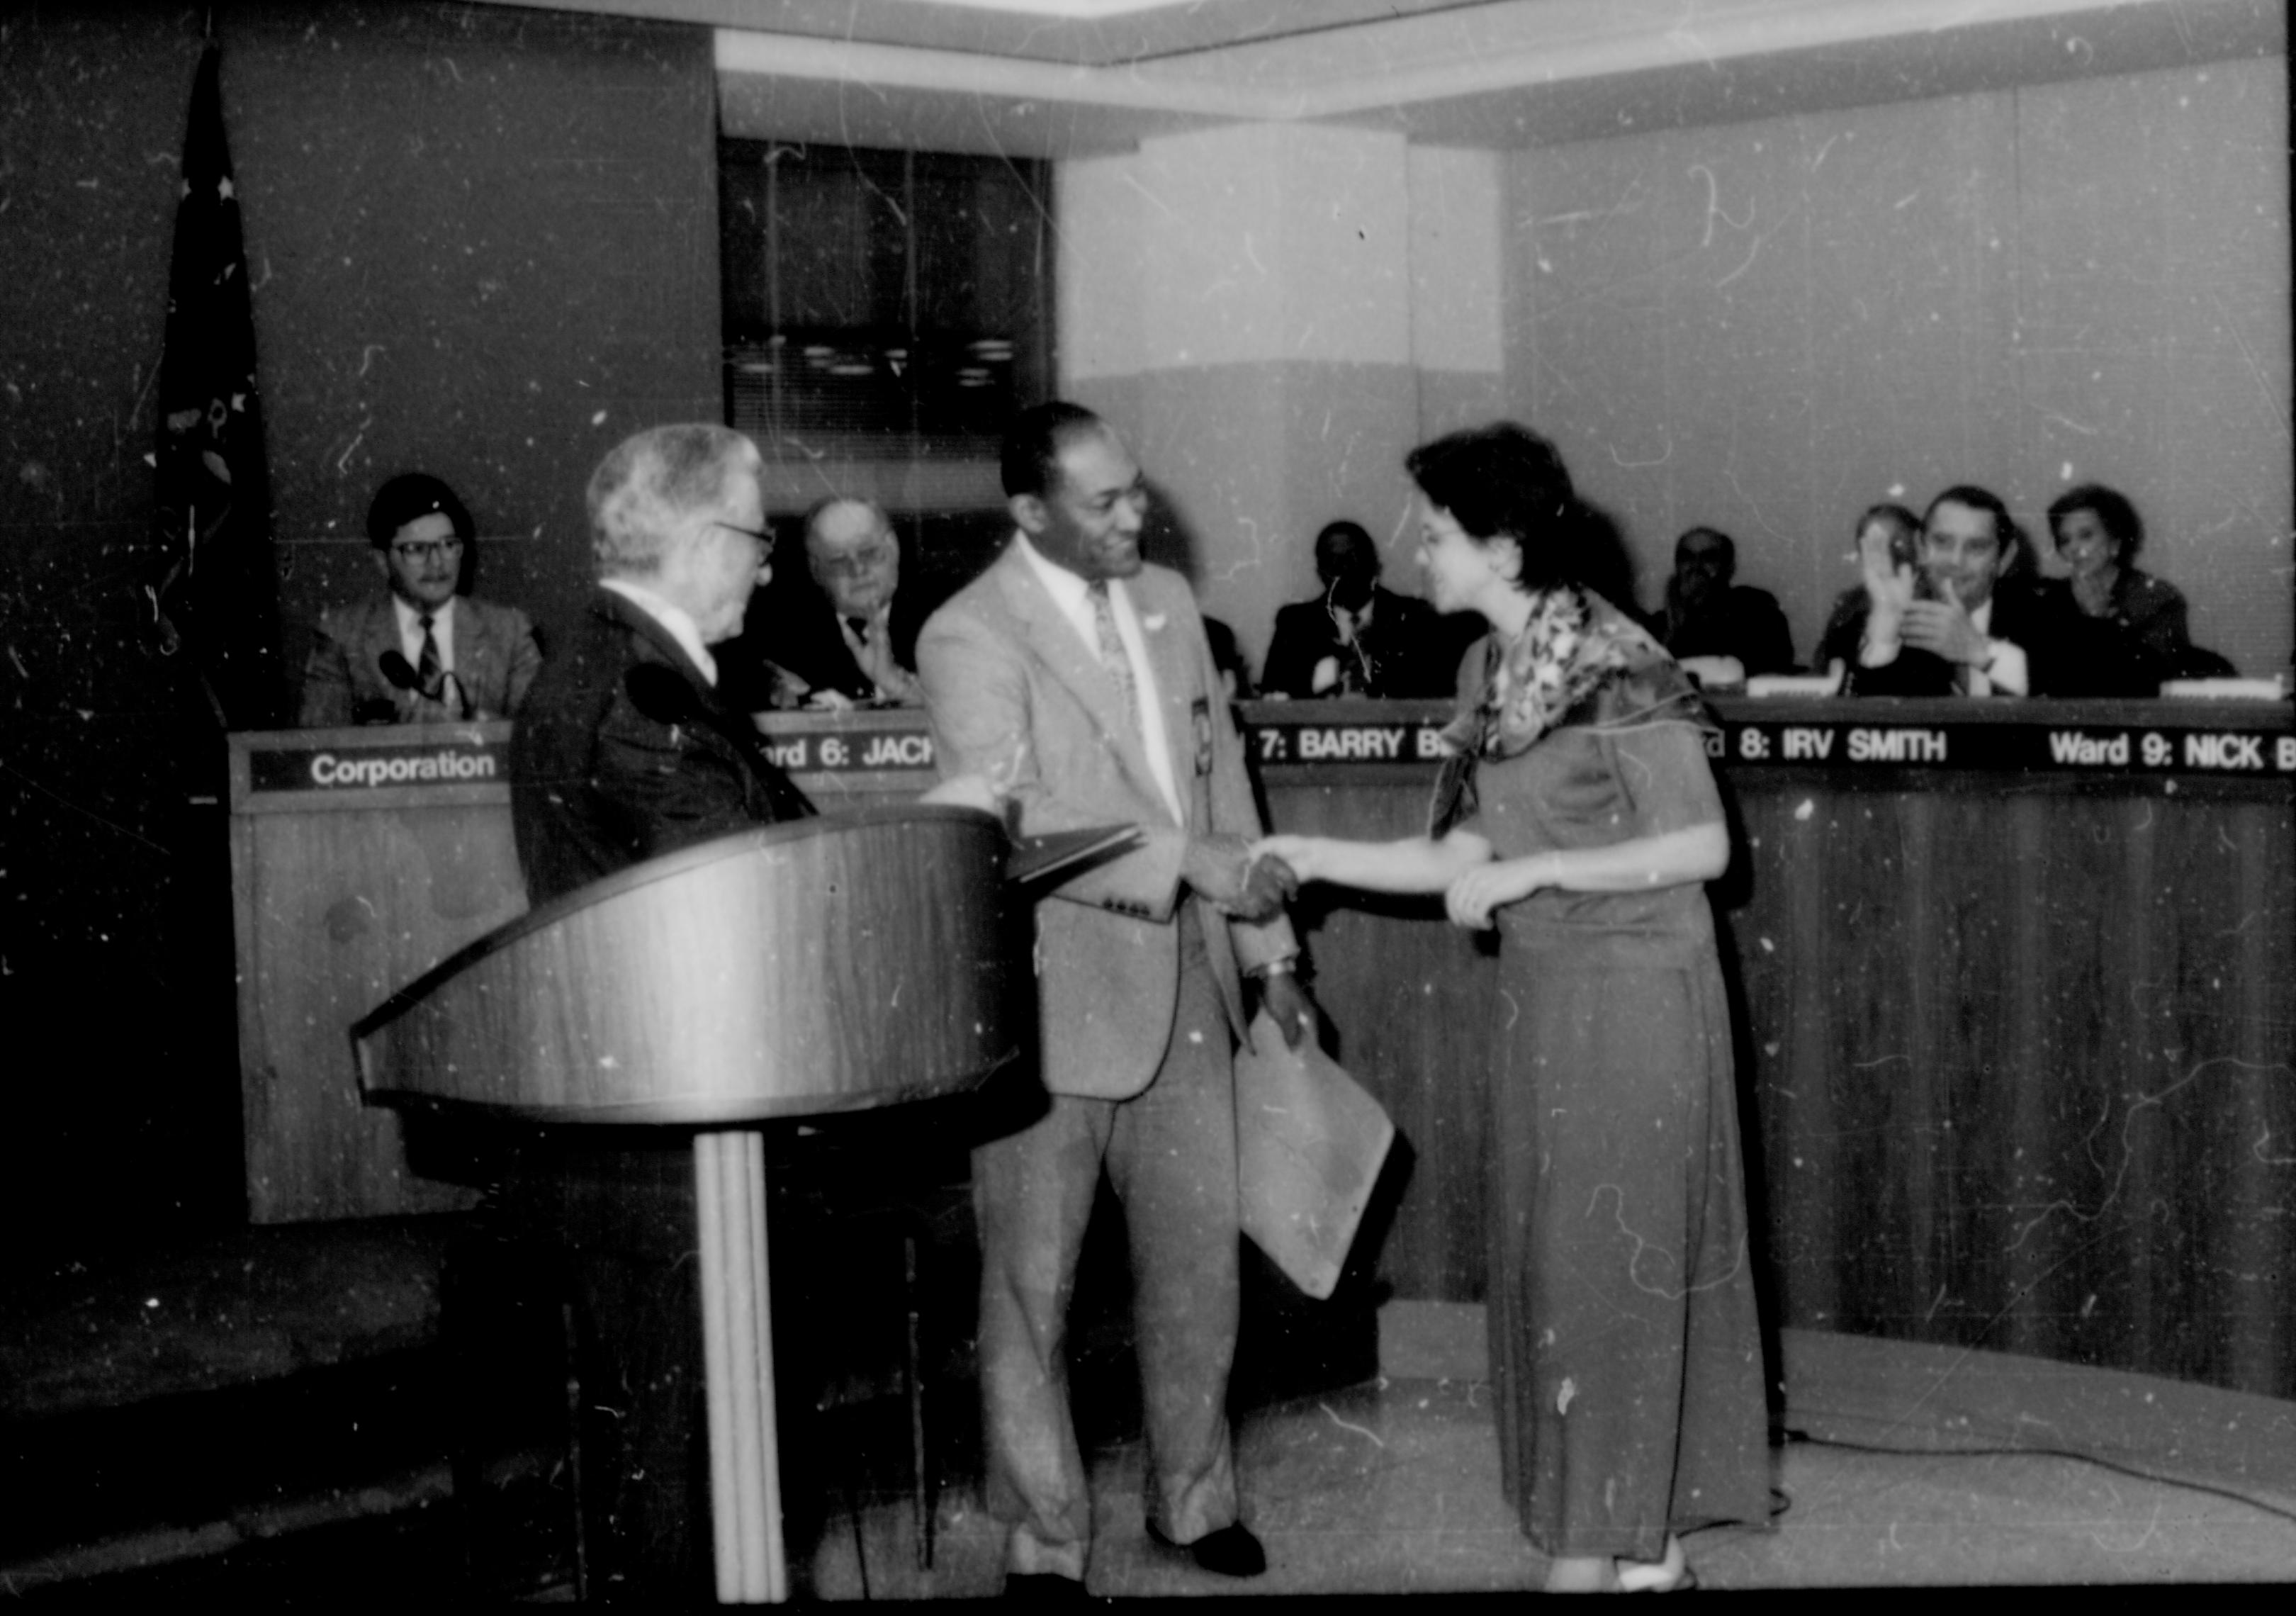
(2128, 627)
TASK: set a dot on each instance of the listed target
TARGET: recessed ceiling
(1068, 77)
(1076, 33)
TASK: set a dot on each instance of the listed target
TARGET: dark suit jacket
(1412, 649)
(496, 660)
(793, 626)
(2139, 641)
(1746, 624)
(604, 775)
(2025, 614)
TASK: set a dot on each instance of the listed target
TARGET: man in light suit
(1075, 681)
(454, 656)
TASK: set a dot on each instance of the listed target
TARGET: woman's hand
(1470, 899)
(1888, 581)
(1301, 854)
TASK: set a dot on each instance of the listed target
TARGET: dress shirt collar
(1073, 595)
(673, 622)
(410, 630)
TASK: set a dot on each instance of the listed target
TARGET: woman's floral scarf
(1574, 643)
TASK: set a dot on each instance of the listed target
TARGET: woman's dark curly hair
(1505, 480)
(2113, 511)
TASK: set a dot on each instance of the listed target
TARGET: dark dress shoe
(1230, 1552)
(1044, 1588)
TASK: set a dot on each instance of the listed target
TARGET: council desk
(2016, 1013)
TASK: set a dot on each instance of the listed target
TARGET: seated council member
(1358, 638)
(624, 749)
(2130, 632)
(422, 652)
(845, 636)
(1578, 816)
(1961, 619)
(1708, 622)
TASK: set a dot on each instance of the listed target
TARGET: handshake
(1223, 871)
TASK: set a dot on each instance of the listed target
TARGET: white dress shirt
(442, 632)
(1073, 595)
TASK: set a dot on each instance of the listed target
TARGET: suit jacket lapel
(733, 728)
(1175, 684)
(1072, 662)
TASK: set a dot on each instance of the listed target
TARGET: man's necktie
(1111, 654)
(427, 668)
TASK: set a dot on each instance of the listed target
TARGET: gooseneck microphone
(401, 673)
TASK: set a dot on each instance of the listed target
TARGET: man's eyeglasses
(426, 549)
(765, 540)
(853, 563)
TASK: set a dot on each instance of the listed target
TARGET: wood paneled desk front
(2018, 1004)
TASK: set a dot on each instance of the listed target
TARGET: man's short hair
(650, 482)
(1030, 463)
(820, 508)
(410, 497)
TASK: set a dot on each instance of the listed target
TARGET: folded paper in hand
(1309, 1142)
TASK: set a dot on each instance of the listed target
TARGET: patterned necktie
(427, 668)
(1111, 654)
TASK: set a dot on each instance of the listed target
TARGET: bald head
(851, 551)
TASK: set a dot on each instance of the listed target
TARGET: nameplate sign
(1416, 741)
(2083, 749)
(857, 751)
(367, 767)
(1302, 742)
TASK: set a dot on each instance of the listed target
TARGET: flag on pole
(214, 598)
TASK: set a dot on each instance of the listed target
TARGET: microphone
(401, 674)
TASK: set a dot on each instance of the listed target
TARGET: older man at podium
(1076, 683)
(624, 751)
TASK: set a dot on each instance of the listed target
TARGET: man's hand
(1222, 873)
(1943, 628)
(1287, 1002)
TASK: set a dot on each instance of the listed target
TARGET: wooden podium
(817, 966)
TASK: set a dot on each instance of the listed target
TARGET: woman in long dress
(1578, 815)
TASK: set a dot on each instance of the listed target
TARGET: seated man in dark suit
(1966, 621)
(1360, 638)
(625, 750)
(846, 635)
(1709, 622)
(422, 653)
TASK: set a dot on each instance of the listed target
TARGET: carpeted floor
(1907, 1466)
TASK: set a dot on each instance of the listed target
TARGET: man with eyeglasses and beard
(425, 653)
